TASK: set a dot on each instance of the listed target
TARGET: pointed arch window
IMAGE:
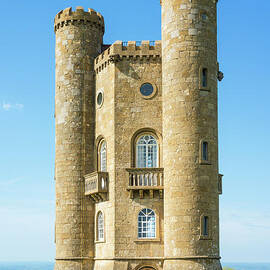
(103, 156)
(146, 152)
(146, 224)
(100, 227)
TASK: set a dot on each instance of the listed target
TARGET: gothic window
(146, 224)
(146, 152)
(100, 227)
(103, 156)
(205, 151)
(204, 77)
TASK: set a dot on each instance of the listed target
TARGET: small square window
(204, 16)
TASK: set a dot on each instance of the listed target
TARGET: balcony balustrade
(96, 186)
(145, 180)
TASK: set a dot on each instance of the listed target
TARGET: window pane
(146, 224)
(205, 151)
(100, 227)
(103, 157)
(204, 77)
(146, 152)
(205, 225)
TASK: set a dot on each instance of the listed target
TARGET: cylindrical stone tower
(190, 145)
(79, 37)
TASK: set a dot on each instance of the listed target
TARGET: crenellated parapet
(130, 51)
(79, 16)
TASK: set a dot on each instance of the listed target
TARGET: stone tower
(137, 179)
(190, 135)
(79, 37)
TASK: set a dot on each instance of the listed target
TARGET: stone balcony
(145, 181)
(96, 186)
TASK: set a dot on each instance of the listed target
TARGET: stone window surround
(209, 236)
(157, 238)
(96, 227)
(201, 87)
(146, 266)
(134, 140)
(100, 157)
(98, 92)
(201, 160)
(203, 13)
(141, 82)
(154, 153)
(100, 139)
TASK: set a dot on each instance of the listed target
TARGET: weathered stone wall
(189, 116)
(78, 41)
(182, 113)
(133, 113)
(105, 130)
(120, 71)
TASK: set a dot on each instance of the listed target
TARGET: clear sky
(27, 123)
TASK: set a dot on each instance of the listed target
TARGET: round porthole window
(147, 89)
(100, 99)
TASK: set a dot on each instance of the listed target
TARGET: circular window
(147, 89)
(100, 99)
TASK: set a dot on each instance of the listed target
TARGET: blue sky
(27, 123)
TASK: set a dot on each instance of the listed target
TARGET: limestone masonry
(136, 168)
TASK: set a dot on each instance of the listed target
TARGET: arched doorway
(147, 268)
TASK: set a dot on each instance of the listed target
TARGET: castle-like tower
(189, 64)
(79, 37)
(136, 167)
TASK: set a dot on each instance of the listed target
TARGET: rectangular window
(205, 226)
(205, 151)
(204, 77)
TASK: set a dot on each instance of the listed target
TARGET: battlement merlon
(128, 50)
(67, 16)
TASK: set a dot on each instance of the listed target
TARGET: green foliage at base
(227, 268)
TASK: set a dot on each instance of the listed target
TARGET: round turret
(79, 38)
(190, 151)
(67, 16)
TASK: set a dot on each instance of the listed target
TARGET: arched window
(103, 156)
(100, 227)
(146, 152)
(146, 224)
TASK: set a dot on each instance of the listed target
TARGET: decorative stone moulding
(142, 180)
(154, 87)
(67, 16)
(96, 186)
(131, 50)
